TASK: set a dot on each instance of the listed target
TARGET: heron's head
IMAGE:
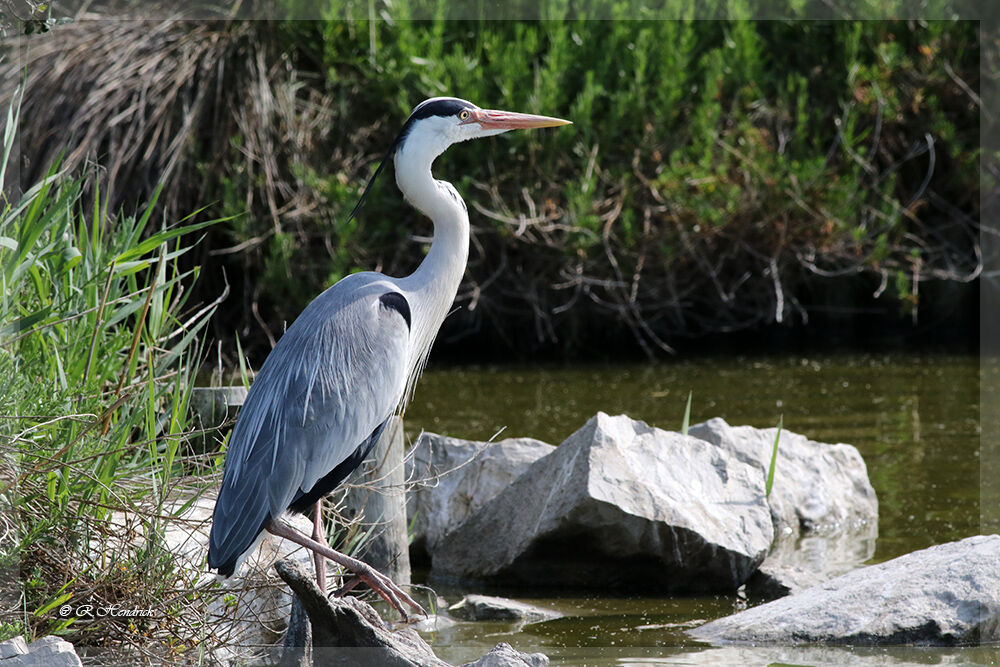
(439, 122)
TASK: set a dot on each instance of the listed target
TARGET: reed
(99, 343)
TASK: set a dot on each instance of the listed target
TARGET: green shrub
(719, 175)
(714, 171)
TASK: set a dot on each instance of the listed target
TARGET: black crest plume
(438, 106)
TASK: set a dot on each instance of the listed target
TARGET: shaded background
(737, 185)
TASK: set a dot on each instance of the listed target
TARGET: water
(915, 420)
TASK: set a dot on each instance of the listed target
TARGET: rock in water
(618, 505)
(817, 487)
(490, 608)
(455, 477)
(935, 596)
(504, 655)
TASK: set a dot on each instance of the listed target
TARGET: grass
(98, 346)
(769, 483)
(686, 421)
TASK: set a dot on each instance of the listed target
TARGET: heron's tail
(237, 529)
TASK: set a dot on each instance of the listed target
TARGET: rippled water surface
(915, 420)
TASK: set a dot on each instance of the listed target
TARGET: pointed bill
(490, 119)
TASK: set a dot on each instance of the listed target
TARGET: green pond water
(915, 420)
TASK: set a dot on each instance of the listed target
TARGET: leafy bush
(715, 169)
(720, 175)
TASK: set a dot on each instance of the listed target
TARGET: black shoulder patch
(397, 302)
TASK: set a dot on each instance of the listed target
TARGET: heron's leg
(380, 583)
(320, 536)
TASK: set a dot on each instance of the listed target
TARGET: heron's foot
(378, 582)
(382, 585)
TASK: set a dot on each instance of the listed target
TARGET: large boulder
(817, 487)
(618, 505)
(942, 595)
(451, 478)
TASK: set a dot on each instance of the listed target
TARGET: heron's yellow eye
(464, 114)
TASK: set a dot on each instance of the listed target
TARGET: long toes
(388, 595)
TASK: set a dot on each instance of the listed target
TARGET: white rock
(12, 647)
(49, 651)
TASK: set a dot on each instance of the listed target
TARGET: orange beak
(490, 119)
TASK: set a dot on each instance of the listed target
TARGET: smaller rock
(504, 655)
(12, 647)
(49, 651)
(489, 608)
(936, 596)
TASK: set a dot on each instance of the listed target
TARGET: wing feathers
(337, 373)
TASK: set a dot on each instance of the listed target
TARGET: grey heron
(348, 363)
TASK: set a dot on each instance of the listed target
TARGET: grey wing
(333, 378)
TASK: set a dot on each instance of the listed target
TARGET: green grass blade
(154, 241)
(10, 130)
(774, 459)
(243, 364)
(686, 422)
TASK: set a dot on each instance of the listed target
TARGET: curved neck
(431, 289)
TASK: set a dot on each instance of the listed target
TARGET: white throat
(431, 289)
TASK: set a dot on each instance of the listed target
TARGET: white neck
(431, 289)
